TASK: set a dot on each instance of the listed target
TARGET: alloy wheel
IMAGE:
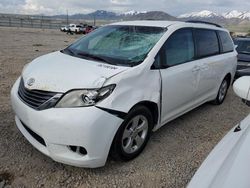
(223, 90)
(135, 134)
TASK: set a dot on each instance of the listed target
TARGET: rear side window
(207, 42)
(179, 48)
(226, 41)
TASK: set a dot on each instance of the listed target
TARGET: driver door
(180, 75)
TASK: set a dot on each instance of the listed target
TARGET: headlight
(85, 97)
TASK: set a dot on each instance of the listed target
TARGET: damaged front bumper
(54, 131)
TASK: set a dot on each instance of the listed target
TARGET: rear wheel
(133, 135)
(222, 92)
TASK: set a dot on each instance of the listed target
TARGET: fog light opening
(78, 149)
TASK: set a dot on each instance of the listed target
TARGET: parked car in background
(64, 28)
(243, 49)
(82, 30)
(108, 91)
(88, 29)
(227, 166)
(75, 28)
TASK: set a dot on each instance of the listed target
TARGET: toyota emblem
(30, 82)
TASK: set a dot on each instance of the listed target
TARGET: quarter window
(226, 41)
(207, 42)
(179, 48)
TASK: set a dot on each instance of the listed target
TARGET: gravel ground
(171, 158)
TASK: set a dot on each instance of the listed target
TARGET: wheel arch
(228, 77)
(153, 108)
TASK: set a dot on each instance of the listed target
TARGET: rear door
(208, 58)
(180, 74)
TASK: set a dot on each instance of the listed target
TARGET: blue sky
(174, 7)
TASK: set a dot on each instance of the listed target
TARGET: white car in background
(64, 28)
(74, 28)
(107, 92)
(228, 165)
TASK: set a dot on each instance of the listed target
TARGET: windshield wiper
(95, 57)
(68, 50)
(134, 63)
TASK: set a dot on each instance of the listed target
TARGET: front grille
(34, 135)
(34, 98)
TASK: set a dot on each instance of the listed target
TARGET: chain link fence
(42, 22)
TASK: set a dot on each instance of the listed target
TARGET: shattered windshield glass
(119, 45)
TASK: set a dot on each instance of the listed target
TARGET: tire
(222, 92)
(133, 134)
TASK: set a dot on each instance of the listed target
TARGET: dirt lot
(171, 158)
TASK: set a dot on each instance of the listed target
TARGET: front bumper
(87, 127)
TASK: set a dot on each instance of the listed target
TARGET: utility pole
(67, 17)
(41, 24)
(94, 20)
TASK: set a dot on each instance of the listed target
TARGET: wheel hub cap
(135, 134)
(223, 90)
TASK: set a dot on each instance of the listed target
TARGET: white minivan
(105, 94)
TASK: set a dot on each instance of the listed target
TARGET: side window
(179, 48)
(226, 41)
(157, 62)
(207, 42)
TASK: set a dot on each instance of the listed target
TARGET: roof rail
(203, 22)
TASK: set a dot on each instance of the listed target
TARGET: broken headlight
(84, 97)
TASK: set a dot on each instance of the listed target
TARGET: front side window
(207, 42)
(119, 45)
(226, 41)
(179, 48)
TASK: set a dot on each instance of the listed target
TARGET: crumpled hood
(227, 166)
(61, 72)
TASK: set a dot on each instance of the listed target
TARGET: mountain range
(234, 14)
(235, 21)
(159, 15)
(130, 15)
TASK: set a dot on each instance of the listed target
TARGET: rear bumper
(87, 127)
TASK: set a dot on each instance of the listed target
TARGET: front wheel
(133, 135)
(222, 92)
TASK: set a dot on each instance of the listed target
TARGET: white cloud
(34, 7)
(120, 2)
(175, 7)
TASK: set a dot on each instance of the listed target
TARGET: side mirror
(241, 88)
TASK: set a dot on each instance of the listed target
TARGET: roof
(158, 23)
(150, 23)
